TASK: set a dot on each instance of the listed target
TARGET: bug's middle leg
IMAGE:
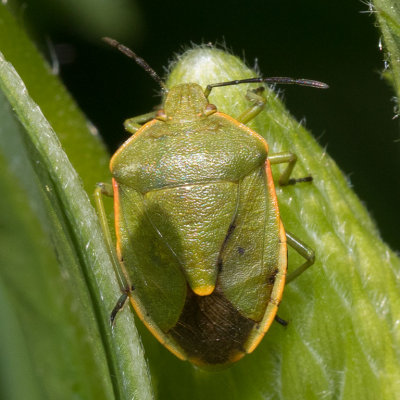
(290, 159)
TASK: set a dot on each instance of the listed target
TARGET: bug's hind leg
(281, 321)
(105, 189)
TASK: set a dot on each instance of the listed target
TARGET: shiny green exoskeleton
(202, 252)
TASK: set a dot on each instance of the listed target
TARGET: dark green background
(335, 42)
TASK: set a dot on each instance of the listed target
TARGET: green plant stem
(127, 366)
(388, 16)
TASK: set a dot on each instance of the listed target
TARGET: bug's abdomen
(211, 330)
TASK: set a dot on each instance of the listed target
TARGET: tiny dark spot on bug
(231, 228)
(240, 250)
(272, 277)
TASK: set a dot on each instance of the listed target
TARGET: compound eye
(161, 115)
(210, 109)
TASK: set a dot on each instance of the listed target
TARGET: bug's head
(186, 102)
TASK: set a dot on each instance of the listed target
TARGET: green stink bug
(201, 248)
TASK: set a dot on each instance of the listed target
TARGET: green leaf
(56, 278)
(40, 274)
(79, 139)
(96, 18)
(388, 16)
(57, 286)
(90, 19)
(75, 288)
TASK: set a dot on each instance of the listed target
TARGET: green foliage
(388, 16)
(57, 285)
(56, 274)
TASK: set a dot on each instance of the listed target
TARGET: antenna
(279, 80)
(128, 52)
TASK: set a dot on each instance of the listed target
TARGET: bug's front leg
(105, 189)
(258, 100)
(132, 125)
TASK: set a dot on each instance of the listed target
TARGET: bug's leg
(107, 190)
(304, 251)
(118, 307)
(258, 100)
(281, 321)
(290, 159)
(132, 125)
